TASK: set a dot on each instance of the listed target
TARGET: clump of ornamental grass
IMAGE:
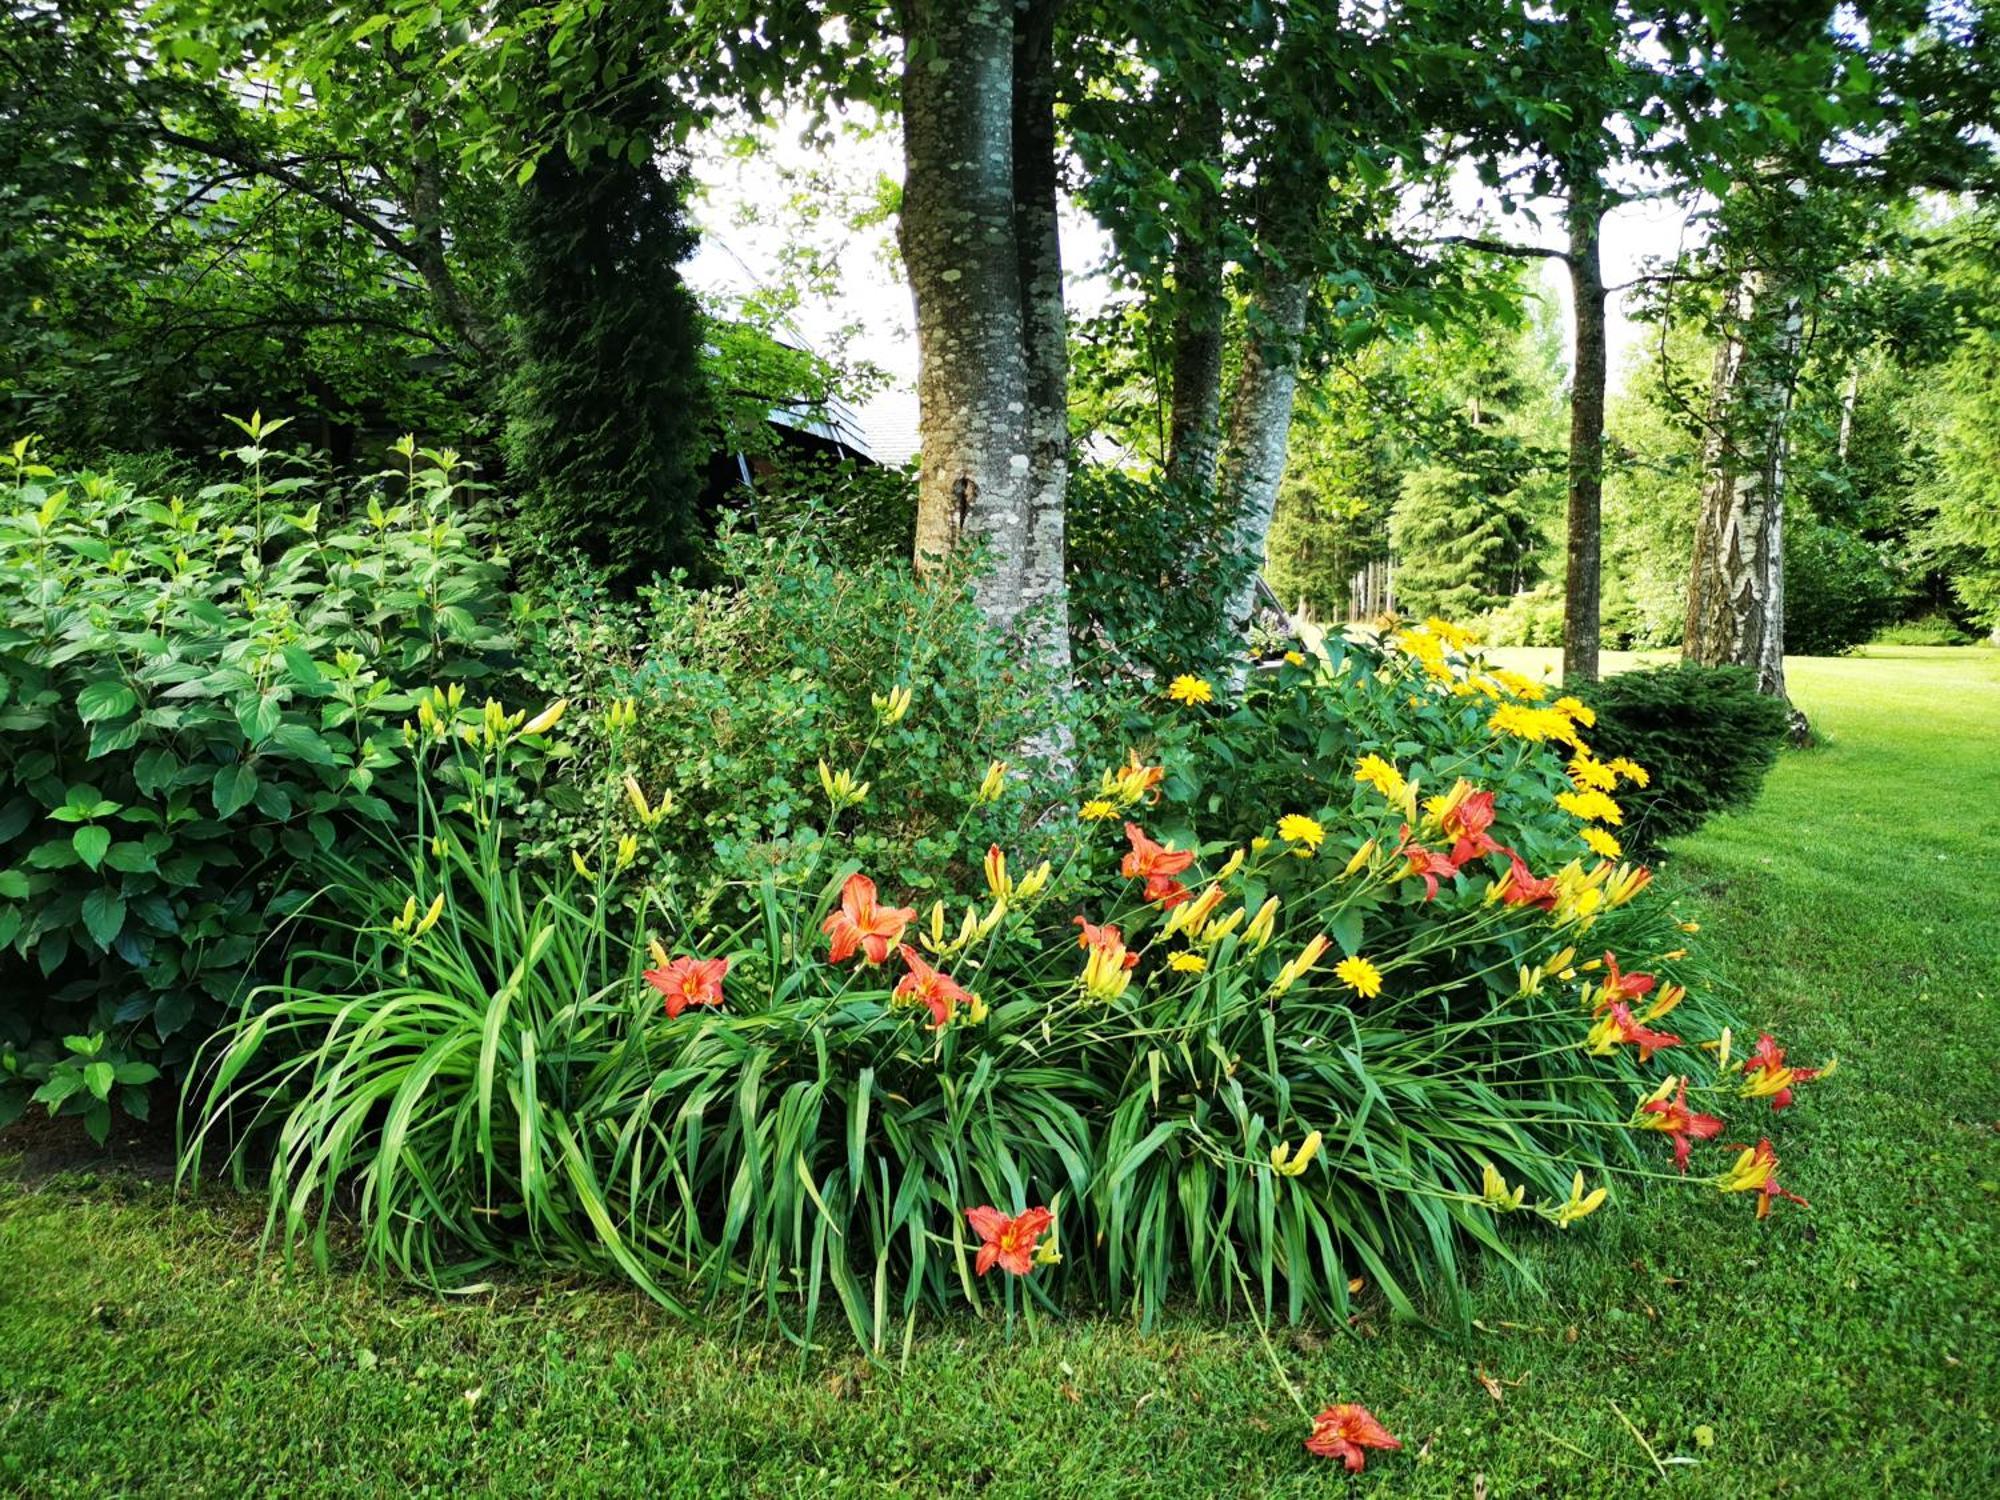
(1370, 1041)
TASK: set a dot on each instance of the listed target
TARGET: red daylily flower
(1756, 1171)
(1519, 887)
(1008, 1243)
(1467, 824)
(1106, 936)
(1343, 1431)
(1619, 986)
(1156, 865)
(689, 981)
(1618, 1025)
(1685, 1126)
(938, 993)
(861, 924)
(1766, 1074)
(1425, 862)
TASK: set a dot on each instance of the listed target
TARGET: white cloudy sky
(747, 227)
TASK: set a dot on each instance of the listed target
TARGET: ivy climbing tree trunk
(978, 241)
(1582, 602)
(1736, 584)
(1260, 425)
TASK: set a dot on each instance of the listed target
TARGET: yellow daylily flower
(1289, 1165)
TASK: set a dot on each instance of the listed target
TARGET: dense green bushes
(1705, 733)
(189, 708)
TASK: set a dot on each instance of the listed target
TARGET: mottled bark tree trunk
(1044, 330)
(978, 237)
(1260, 425)
(1581, 597)
(1195, 367)
(1736, 584)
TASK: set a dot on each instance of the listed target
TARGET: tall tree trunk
(958, 241)
(978, 236)
(1044, 329)
(1582, 598)
(1736, 585)
(1260, 425)
(1195, 372)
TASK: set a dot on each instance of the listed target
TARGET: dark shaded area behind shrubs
(1705, 733)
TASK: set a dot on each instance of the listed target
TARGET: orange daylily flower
(1105, 935)
(1156, 865)
(862, 924)
(1008, 1243)
(1756, 1171)
(937, 992)
(1618, 1025)
(1425, 862)
(1766, 1075)
(1467, 823)
(689, 981)
(1673, 1117)
(1519, 887)
(1343, 1431)
(1621, 986)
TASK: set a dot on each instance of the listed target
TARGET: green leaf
(105, 700)
(303, 670)
(13, 885)
(301, 741)
(104, 916)
(233, 788)
(258, 716)
(98, 1077)
(91, 843)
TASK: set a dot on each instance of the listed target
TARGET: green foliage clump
(1838, 589)
(1152, 566)
(1705, 734)
(1925, 630)
(1456, 540)
(607, 426)
(189, 707)
(743, 689)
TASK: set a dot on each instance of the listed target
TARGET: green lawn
(145, 1347)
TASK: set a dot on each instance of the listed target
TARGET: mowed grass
(1677, 1346)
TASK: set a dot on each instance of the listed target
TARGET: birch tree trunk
(1195, 370)
(978, 236)
(1736, 584)
(1044, 331)
(1260, 425)
(1582, 600)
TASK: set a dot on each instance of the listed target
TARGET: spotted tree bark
(1736, 584)
(1582, 601)
(979, 243)
(1260, 425)
(1194, 374)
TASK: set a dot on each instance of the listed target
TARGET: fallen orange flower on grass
(862, 924)
(1008, 1243)
(1343, 1431)
(1766, 1076)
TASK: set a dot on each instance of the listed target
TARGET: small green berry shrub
(1705, 733)
(194, 696)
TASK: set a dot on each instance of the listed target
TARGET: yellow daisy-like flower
(1295, 659)
(1096, 810)
(1537, 725)
(1519, 685)
(1360, 976)
(1588, 773)
(1632, 771)
(1297, 828)
(1591, 806)
(1186, 963)
(1374, 771)
(1452, 635)
(1190, 690)
(1576, 709)
(1601, 842)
